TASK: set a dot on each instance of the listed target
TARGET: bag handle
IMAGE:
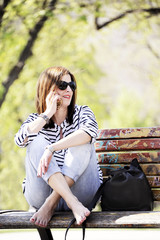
(83, 228)
(90, 208)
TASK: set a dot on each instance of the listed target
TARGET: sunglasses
(62, 85)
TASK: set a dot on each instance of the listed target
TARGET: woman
(62, 172)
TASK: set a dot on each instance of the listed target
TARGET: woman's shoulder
(82, 108)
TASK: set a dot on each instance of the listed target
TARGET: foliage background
(116, 66)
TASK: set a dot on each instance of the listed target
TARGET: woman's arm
(23, 137)
(34, 123)
(76, 138)
(51, 103)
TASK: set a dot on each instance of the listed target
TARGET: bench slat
(154, 181)
(142, 157)
(128, 133)
(95, 220)
(125, 220)
(127, 145)
(156, 194)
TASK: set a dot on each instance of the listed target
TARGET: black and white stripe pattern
(83, 118)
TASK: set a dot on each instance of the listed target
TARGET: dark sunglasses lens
(72, 85)
(62, 85)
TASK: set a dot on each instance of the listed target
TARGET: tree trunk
(25, 54)
(2, 9)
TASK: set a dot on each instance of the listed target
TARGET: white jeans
(80, 164)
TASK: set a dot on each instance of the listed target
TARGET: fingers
(51, 96)
(44, 163)
(53, 101)
(42, 169)
(39, 171)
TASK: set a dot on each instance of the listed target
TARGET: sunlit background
(111, 46)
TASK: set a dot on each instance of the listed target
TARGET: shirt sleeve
(88, 122)
(23, 137)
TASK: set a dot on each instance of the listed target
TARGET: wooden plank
(124, 220)
(142, 157)
(128, 145)
(149, 169)
(128, 133)
(154, 181)
(156, 194)
(95, 220)
(16, 220)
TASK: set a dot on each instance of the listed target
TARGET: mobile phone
(59, 103)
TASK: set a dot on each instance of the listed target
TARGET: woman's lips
(67, 96)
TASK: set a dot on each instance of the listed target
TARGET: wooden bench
(115, 148)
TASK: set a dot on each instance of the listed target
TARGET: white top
(83, 118)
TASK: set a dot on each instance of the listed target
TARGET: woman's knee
(38, 143)
(76, 161)
(36, 148)
(36, 197)
(81, 149)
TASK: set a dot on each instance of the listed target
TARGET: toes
(40, 223)
(32, 220)
(81, 214)
(41, 218)
(37, 221)
(81, 220)
(43, 224)
(87, 213)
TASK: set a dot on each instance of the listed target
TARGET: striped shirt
(83, 118)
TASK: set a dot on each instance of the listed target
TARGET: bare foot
(80, 212)
(42, 217)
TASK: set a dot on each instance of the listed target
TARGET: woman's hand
(44, 163)
(51, 103)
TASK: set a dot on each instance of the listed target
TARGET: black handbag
(126, 189)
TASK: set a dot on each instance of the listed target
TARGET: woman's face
(66, 94)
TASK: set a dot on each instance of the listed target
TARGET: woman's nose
(68, 88)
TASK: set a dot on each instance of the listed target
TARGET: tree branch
(2, 9)
(26, 53)
(153, 51)
(151, 11)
